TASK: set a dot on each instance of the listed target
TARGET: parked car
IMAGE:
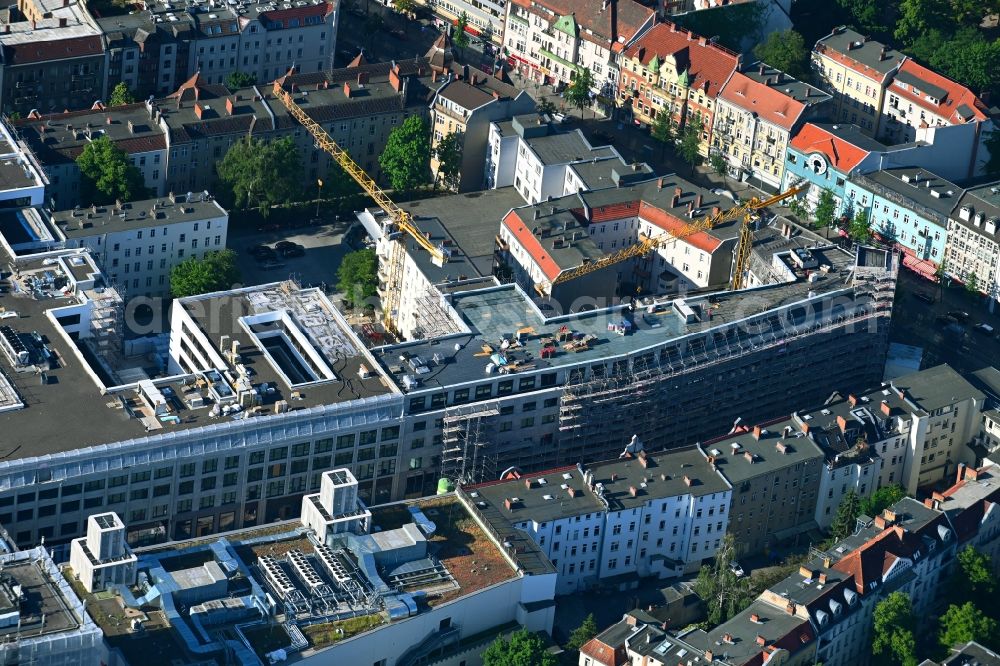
(292, 250)
(398, 33)
(924, 296)
(945, 320)
(266, 254)
(984, 329)
(736, 568)
(960, 315)
(258, 251)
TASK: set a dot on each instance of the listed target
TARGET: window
(367, 437)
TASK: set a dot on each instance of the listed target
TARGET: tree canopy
(961, 624)
(583, 633)
(894, 630)
(522, 649)
(407, 155)
(825, 210)
(860, 229)
(262, 173)
(357, 277)
(578, 92)
(720, 167)
(459, 37)
(663, 128)
(690, 142)
(214, 271)
(847, 516)
(882, 499)
(785, 50)
(724, 593)
(121, 95)
(449, 156)
(108, 174)
(237, 80)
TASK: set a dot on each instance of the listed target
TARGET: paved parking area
(324, 249)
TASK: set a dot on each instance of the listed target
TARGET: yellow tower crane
(402, 220)
(749, 211)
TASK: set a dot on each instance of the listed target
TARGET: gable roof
(26, 53)
(842, 155)
(592, 16)
(770, 105)
(705, 63)
(532, 245)
(675, 226)
(859, 53)
(955, 102)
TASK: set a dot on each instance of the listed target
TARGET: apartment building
(465, 104)
(973, 243)
(227, 436)
(176, 141)
(542, 242)
(671, 70)
(775, 472)
(154, 51)
(758, 110)
(53, 58)
(138, 243)
(909, 207)
(642, 515)
(549, 41)
(485, 17)
(856, 70)
(919, 97)
(57, 140)
(541, 162)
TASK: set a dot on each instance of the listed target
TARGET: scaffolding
(431, 314)
(107, 325)
(468, 455)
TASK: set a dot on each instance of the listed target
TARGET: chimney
(852, 400)
(229, 105)
(394, 81)
(34, 24)
(630, 620)
(687, 481)
(674, 201)
(755, 618)
(760, 640)
(890, 515)
(761, 69)
(822, 579)
(690, 208)
(362, 78)
(971, 474)
(107, 120)
(198, 111)
(527, 484)
(937, 496)
(805, 572)
(805, 427)
(827, 562)
(757, 430)
(960, 476)
(880, 522)
(6, 28)
(727, 639)
(842, 423)
(131, 127)
(781, 448)
(709, 656)
(881, 55)
(614, 477)
(434, 76)
(571, 492)
(716, 210)
(749, 457)
(678, 192)
(347, 88)
(790, 608)
(659, 183)
(63, 22)
(633, 491)
(508, 504)
(886, 409)
(697, 201)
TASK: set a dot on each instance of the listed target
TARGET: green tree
(545, 107)
(893, 634)
(847, 516)
(449, 156)
(972, 284)
(882, 499)
(108, 174)
(826, 209)
(459, 37)
(357, 277)
(522, 649)
(961, 624)
(972, 12)
(262, 173)
(966, 56)
(860, 229)
(973, 580)
(14, 115)
(404, 6)
(663, 130)
(214, 271)
(720, 166)
(237, 80)
(578, 93)
(724, 593)
(121, 95)
(583, 633)
(690, 142)
(917, 17)
(868, 15)
(785, 50)
(407, 155)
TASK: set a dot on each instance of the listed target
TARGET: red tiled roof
(705, 62)
(42, 51)
(791, 641)
(841, 154)
(769, 104)
(531, 245)
(602, 653)
(871, 561)
(957, 95)
(590, 15)
(674, 225)
(283, 16)
(615, 211)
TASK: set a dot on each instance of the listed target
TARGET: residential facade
(549, 41)
(909, 207)
(758, 110)
(670, 70)
(642, 515)
(53, 58)
(973, 241)
(138, 243)
(856, 70)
